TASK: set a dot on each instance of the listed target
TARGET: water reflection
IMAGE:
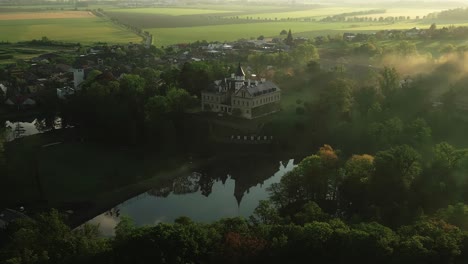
(18, 129)
(228, 188)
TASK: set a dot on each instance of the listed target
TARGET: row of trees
(309, 235)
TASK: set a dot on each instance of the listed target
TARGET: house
(414, 32)
(240, 97)
(349, 36)
(63, 93)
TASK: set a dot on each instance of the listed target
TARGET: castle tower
(239, 77)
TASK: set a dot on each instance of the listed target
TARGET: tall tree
(389, 81)
(289, 39)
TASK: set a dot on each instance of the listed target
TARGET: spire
(240, 71)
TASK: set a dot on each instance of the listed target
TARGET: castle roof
(240, 71)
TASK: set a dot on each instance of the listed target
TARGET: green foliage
(265, 213)
(446, 156)
(289, 39)
(47, 239)
(456, 215)
(304, 53)
(389, 81)
(179, 100)
(337, 98)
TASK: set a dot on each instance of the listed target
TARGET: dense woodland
(385, 182)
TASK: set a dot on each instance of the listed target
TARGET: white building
(78, 77)
(240, 97)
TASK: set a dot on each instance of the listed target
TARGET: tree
(456, 215)
(179, 100)
(283, 32)
(265, 213)
(310, 212)
(354, 188)
(395, 171)
(389, 81)
(399, 165)
(446, 156)
(132, 85)
(337, 97)
(418, 133)
(155, 109)
(47, 239)
(304, 53)
(195, 77)
(289, 39)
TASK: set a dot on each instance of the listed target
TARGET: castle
(240, 97)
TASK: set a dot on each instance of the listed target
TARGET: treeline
(141, 107)
(310, 236)
(343, 16)
(451, 14)
(45, 41)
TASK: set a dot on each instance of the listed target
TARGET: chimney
(249, 82)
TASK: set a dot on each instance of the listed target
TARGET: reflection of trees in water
(206, 184)
(188, 184)
(18, 130)
(246, 173)
(113, 212)
(47, 123)
(164, 191)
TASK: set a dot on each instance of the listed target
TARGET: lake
(228, 188)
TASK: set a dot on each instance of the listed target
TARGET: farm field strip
(46, 15)
(314, 12)
(231, 32)
(83, 30)
(397, 12)
(169, 11)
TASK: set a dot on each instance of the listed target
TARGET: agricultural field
(167, 36)
(185, 25)
(190, 23)
(45, 15)
(171, 11)
(69, 26)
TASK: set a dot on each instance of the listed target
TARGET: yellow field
(46, 15)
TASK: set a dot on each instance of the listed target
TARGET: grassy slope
(73, 171)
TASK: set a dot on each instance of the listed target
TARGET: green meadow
(168, 36)
(83, 30)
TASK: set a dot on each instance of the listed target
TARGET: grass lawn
(73, 171)
(83, 30)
